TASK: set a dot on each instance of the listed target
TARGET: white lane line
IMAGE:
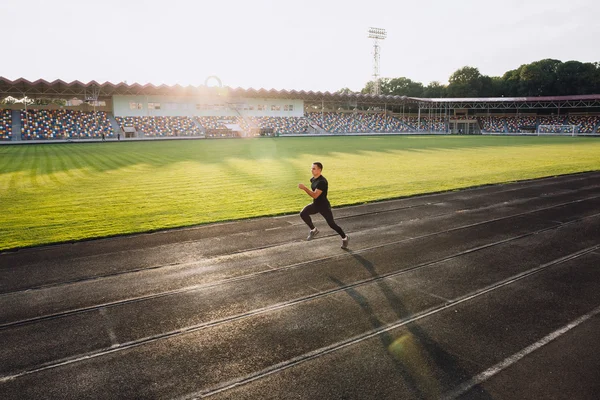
(109, 328)
(490, 372)
(209, 260)
(224, 386)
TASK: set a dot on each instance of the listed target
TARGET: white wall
(186, 106)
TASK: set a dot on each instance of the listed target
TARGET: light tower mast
(376, 34)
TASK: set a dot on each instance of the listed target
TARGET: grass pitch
(63, 192)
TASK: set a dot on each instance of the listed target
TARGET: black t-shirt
(320, 183)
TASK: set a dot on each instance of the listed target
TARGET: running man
(320, 204)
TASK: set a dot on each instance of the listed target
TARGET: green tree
(401, 87)
(368, 88)
(575, 77)
(539, 77)
(345, 91)
(435, 90)
(547, 77)
(595, 80)
(511, 83)
(491, 86)
(465, 82)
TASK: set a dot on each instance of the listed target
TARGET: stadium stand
(63, 124)
(223, 125)
(183, 126)
(271, 112)
(434, 124)
(246, 124)
(380, 122)
(5, 125)
(217, 122)
(337, 122)
(160, 126)
(426, 124)
(375, 122)
(281, 124)
(492, 124)
(516, 124)
(552, 120)
(585, 123)
(411, 122)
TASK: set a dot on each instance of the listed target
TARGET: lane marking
(109, 327)
(375, 332)
(296, 265)
(505, 187)
(513, 359)
(425, 292)
(266, 247)
(307, 356)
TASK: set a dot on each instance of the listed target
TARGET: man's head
(316, 169)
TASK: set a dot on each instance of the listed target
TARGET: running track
(486, 293)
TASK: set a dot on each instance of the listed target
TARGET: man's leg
(328, 215)
(305, 215)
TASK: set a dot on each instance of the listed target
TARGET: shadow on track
(427, 369)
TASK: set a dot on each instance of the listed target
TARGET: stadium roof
(511, 99)
(22, 87)
(575, 101)
(58, 88)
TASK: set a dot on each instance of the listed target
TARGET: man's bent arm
(309, 192)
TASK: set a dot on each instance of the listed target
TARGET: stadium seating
(5, 124)
(64, 124)
(217, 122)
(183, 126)
(281, 125)
(552, 120)
(380, 122)
(585, 123)
(161, 126)
(218, 126)
(492, 124)
(337, 122)
(374, 122)
(426, 124)
(514, 124)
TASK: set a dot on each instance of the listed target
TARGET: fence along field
(54, 193)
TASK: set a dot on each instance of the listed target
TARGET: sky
(293, 45)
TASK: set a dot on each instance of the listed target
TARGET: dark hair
(318, 164)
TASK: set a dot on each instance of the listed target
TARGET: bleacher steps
(316, 127)
(16, 125)
(363, 126)
(195, 121)
(114, 124)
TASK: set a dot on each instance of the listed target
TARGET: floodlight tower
(376, 34)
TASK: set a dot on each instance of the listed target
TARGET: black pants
(325, 212)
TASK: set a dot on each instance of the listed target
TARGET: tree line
(546, 77)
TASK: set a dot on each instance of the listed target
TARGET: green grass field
(64, 192)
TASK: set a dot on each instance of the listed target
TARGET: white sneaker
(345, 242)
(312, 234)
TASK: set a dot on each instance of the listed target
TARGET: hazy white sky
(303, 45)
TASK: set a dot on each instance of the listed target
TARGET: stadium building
(42, 111)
